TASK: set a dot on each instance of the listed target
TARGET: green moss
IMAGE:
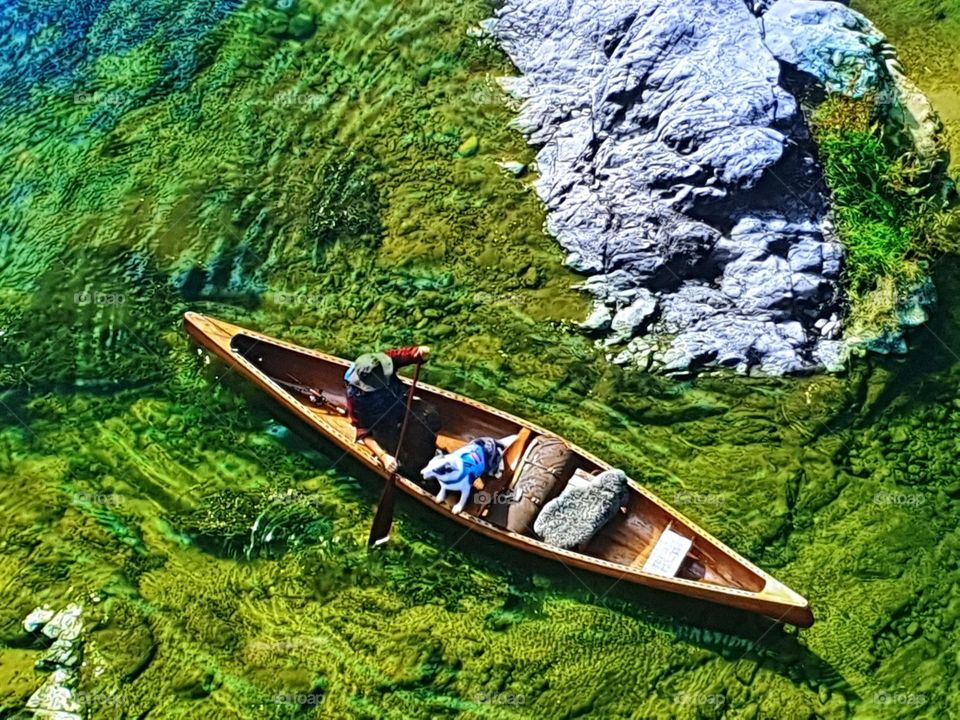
(345, 208)
(255, 524)
(893, 213)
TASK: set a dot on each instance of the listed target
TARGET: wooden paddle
(383, 520)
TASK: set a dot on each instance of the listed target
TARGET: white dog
(457, 470)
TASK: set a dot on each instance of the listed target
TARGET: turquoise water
(303, 168)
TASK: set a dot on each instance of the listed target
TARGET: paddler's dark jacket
(381, 408)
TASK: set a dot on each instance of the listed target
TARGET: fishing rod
(316, 397)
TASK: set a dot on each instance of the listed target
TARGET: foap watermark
(303, 699)
(91, 699)
(508, 497)
(298, 299)
(908, 699)
(293, 99)
(114, 98)
(500, 698)
(885, 497)
(688, 497)
(98, 298)
(698, 698)
(103, 499)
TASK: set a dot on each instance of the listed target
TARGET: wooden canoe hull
(736, 582)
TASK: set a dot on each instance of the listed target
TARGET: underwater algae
(926, 34)
(326, 172)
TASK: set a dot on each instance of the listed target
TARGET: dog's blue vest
(481, 457)
(474, 461)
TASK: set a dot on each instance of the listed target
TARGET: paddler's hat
(370, 371)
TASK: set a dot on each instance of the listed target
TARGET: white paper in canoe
(667, 554)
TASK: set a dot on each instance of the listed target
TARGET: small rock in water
(62, 654)
(38, 618)
(913, 310)
(829, 41)
(598, 320)
(301, 26)
(889, 342)
(832, 355)
(66, 624)
(541, 582)
(912, 316)
(286, 6)
(632, 318)
(531, 278)
(55, 699)
(469, 147)
(513, 167)
(65, 628)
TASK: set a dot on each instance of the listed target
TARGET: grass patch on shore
(893, 211)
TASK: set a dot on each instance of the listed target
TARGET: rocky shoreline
(679, 173)
(56, 698)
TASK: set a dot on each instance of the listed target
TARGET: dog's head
(444, 468)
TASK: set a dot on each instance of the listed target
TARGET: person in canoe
(376, 402)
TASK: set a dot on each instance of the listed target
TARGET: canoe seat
(448, 443)
(511, 458)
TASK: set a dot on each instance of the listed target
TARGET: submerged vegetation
(223, 562)
(894, 211)
(926, 34)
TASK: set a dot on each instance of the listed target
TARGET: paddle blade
(383, 520)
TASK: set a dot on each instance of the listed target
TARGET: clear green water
(159, 157)
(927, 36)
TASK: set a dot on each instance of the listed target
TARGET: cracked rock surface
(678, 171)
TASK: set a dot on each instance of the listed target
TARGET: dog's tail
(507, 441)
(496, 463)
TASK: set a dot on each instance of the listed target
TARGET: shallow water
(927, 36)
(311, 178)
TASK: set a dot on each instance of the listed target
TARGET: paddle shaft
(383, 520)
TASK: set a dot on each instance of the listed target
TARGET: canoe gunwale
(774, 599)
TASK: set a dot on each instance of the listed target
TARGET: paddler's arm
(408, 355)
(388, 461)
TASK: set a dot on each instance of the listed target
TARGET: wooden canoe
(710, 570)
